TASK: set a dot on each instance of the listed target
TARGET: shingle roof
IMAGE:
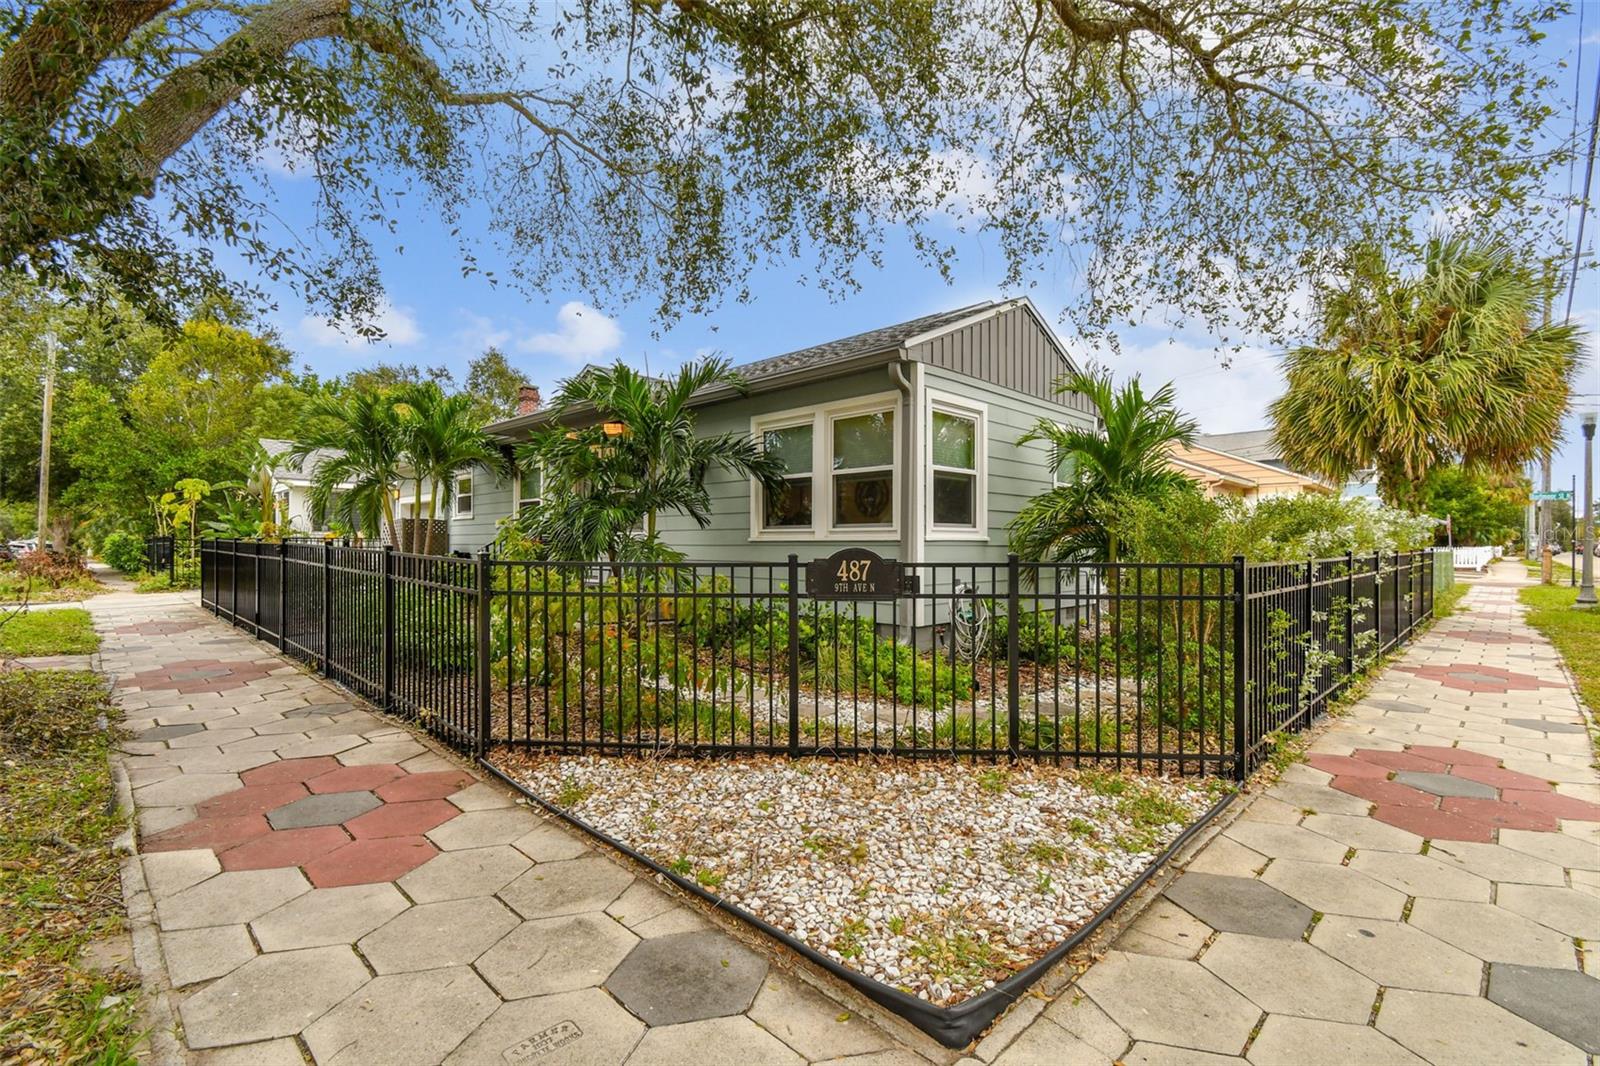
(883, 339)
(279, 449)
(1257, 444)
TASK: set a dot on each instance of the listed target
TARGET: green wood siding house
(902, 439)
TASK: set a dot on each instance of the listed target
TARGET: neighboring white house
(291, 493)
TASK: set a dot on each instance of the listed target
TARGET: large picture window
(790, 507)
(863, 470)
(955, 470)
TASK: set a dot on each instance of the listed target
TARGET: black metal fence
(161, 556)
(1175, 668)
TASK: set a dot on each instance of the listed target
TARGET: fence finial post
(1241, 644)
(1013, 655)
(481, 653)
(1349, 617)
(388, 627)
(327, 606)
(794, 655)
(283, 595)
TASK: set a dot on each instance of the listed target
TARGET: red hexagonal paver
(1434, 824)
(214, 833)
(1472, 677)
(364, 862)
(1453, 756)
(1499, 814)
(1399, 760)
(290, 770)
(1345, 766)
(252, 799)
(284, 847)
(1384, 792)
(355, 778)
(1555, 804)
(401, 819)
(200, 675)
(1500, 777)
(435, 785)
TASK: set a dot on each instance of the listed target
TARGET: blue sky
(436, 316)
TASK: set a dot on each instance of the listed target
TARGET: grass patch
(1448, 602)
(68, 631)
(14, 588)
(59, 884)
(1575, 633)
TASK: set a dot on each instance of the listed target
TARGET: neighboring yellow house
(1244, 465)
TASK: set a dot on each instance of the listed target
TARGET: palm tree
(440, 435)
(359, 430)
(1128, 457)
(1412, 373)
(634, 457)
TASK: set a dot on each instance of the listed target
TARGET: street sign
(1555, 494)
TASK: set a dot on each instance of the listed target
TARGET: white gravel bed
(934, 878)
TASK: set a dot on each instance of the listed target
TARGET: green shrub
(123, 551)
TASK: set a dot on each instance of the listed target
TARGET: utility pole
(44, 435)
(1586, 597)
(1547, 566)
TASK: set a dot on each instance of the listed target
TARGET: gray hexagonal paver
(1445, 784)
(1493, 934)
(1169, 1001)
(1335, 889)
(583, 1028)
(1545, 725)
(409, 1019)
(169, 732)
(1291, 978)
(713, 1042)
(569, 887)
(1285, 1041)
(1240, 905)
(231, 898)
(556, 955)
(278, 994)
(688, 977)
(330, 808)
(451, 933)
(1398, 956)
(462, 874)
(328, 916)
(1563, 1002)
(1444, 1028)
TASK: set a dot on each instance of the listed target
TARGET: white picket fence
(1476, 559)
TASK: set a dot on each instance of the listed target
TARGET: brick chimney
(527, 399)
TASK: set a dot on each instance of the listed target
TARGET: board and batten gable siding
(728, 536)
(1017, 472)
(491, 502)
(1012, 350)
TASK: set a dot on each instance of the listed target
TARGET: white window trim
(951, 404)
(821, 418)
(516, 489)
(456, 510)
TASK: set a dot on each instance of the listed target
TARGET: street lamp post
(1586, 597)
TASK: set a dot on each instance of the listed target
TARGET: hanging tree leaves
(1202, 157)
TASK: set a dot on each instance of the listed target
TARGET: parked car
(24, 546)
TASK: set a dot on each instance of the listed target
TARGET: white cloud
(1222, 398)
(478, 332)
(582, 334)
(399, 326)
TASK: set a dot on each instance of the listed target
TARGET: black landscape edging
(954, 1027)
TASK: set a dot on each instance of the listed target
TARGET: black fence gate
(1175, 668)
(161, 556)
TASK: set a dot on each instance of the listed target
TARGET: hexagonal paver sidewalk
(323, 884)
(1425, 888)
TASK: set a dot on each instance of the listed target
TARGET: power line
(1583, 207)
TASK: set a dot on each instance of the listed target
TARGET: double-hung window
(530, 488)
(955, 470)
(463, 507)
(790, 507)
(863, 470)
